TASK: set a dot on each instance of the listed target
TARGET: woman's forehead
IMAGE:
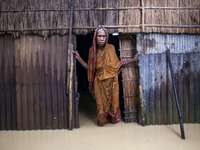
(101, 32)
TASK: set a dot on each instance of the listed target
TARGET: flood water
(89, 136)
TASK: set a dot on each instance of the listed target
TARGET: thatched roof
(126, 16)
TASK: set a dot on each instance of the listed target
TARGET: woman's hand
(131, 60)
(81, 61)
(76, 54)
(136, 56)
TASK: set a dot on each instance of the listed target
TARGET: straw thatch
(126, 16)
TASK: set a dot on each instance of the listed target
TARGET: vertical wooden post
(76, 94)
(71, 86)
(70, 68)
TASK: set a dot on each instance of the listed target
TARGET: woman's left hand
(137, 54)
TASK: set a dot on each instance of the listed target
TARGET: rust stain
(147, 43)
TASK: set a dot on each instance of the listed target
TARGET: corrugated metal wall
(176, 43)
(155, 77)
(37, 100)
(40, 80)
(32, 85)
(7, 84)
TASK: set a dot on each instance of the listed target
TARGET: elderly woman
(103, 68)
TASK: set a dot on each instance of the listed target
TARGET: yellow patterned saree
(105, 86)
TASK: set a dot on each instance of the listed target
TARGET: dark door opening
(87, 105)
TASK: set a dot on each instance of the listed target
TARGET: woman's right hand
(81, 61)
(76, 54)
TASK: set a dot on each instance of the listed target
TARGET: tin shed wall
(40, 83)
(32, 86)
(176, 43)
(7, 84)
(155, 77)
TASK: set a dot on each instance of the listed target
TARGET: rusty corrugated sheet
(40, 78)
(176, 43)
(155, 78)
(7, 84)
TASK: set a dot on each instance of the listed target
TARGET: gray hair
(102, 29)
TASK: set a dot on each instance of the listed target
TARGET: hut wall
(39, 17)
(182, 13)
(124, 16)
(25, 18)
(155, 77)
(7, 84)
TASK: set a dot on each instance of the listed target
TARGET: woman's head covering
(92, 58)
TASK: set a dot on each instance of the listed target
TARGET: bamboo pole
(176, 8)
(70, 70)
(142, 3)
(71, 86)
(106, 26)
(175, 94)
(142, 113)
(172, 26)
(102, 9)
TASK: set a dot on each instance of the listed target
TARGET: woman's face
(101, 38)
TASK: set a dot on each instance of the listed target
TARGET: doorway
(87, 105)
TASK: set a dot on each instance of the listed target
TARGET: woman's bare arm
(81, 61)
(131, 60)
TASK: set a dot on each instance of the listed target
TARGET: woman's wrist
(84, 65)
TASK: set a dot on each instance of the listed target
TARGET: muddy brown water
(89, 136)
